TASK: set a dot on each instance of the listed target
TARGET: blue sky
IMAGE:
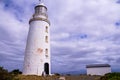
(82, 32)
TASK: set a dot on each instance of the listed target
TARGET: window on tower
(37, 10)
(46, 52)
(46, 29)
(46, 39)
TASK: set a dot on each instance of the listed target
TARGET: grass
(83, 77)
(80, 77)
(23, 77)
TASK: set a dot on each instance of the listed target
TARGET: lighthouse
(37, 52)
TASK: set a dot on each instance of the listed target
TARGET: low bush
(111, 76)
(5, 75)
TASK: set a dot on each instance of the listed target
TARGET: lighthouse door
(46, 68)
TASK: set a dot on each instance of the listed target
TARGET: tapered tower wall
(37, 52)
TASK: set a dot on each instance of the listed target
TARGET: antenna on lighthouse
(41, 1)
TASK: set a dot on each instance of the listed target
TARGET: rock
(62, 78)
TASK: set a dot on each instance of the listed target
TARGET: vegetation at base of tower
(34, 77)
(16, 72)
(56, 74)
(16, 75)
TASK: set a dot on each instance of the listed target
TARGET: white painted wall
(34, 60)
(98, 71)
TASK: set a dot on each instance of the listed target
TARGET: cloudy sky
(82, 32)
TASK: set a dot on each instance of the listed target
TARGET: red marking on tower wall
(39, 50)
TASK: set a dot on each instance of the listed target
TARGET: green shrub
(57, 74)
(4, 74)
(111, 76)
(16, 72)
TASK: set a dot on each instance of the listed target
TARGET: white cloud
(96, 19)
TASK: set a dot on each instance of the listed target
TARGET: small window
(46, 56)
(46, 51)
(46, 29)
(46, 39)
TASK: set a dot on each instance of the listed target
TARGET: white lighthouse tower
(37, 53)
